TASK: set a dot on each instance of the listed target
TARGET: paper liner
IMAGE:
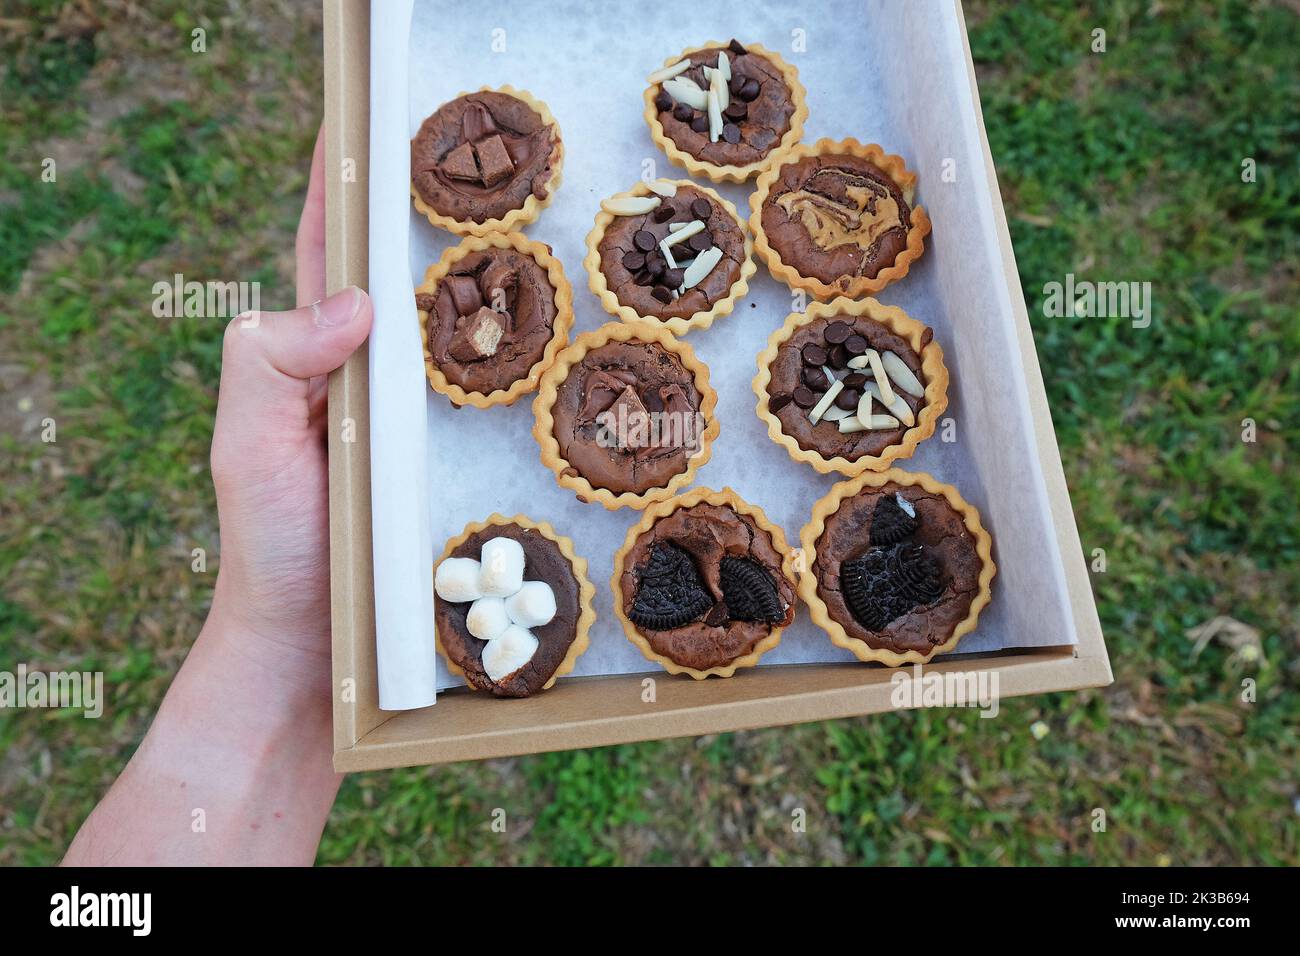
(812, 533)
(726, 497)
(544, 423)
(728, 173)
(541, 254)
(898, 322)
(532, 206)
(850, 287)
(598, 284)
(586, 590)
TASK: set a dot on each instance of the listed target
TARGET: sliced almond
(680, 235)
(668, 255)
(898, 407)
(882, 380)
(830, 376)
(901, 375)
(715, 114)
(820, 408)
(664, 187)
(883, 422)
(859, 362)
(718, 81)
(836, 414)
(630, 205)
(851, 424)
(724, 66)
(684, 90)
(674, 226)
(864, 407)
(701, 267)
(668, 72)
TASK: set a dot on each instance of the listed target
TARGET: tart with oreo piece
(669, 252)
(900, 567)
(704, 584)
(513, 606)
(837, 218)
(494, 311)
(487, 161)
(625, 415)
(724, 110)
(851, 386)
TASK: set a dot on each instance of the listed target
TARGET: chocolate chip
(633, 261)
(737, 81)
(656, 266)
(700, 241)
(856, 344)
(700, 124)
(777, 402)
(749, 91)
(839, 357)
(736, 111)
(854, 380)
(736, 48)
(847, 399)
(664, 212)
(663, 102)
(804, 397)
(814, 378)
(643, 240)
(673, 278)
(643, 278)
(814, 355)
(683, 113)
(701, 208)
(731, 133)
(837, 332)
(662, 293)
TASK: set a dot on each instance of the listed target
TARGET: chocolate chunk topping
(814, 378)
(847, 399)
(804, 397)
(655, 265)
(854, 380)
(633, 261)
(700, 124)
(683, 113)
(777, 402)
(673, 278)
(731, 133)
(735, 111)
(700, 241)
(663, 102)
(735, 47)
(643, 240)
(664, 213)
(837, 332)
(839, 357)
(749, 591)
(701, 209)
(749, 90)
(856, 344)
(662, 293)
(670, 592)
(814, 355)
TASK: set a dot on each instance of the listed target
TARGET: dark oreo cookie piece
(890, 524)
(888, 582)
(670, 592)
(749, 591)
(918, 573)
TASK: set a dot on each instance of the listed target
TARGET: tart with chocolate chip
(837, 218)
(900, 567)
(494, 311)
(724, 110)
(704, 584)
(486, 162)
(512, 607)
(851, 386)
(625, 416)
(671, 253)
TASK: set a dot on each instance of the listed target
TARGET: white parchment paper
(891, 73)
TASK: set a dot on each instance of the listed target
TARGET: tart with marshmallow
(851, 386)
(493, 312)
(724, 110)
(512, 608)
(669, 252)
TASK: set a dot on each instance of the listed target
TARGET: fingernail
(339, 309)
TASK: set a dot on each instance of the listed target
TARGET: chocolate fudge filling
(601, 423)
(490, 319)
(835, 218)
(756, 118)
(798, 383)
(898, 581)
(638, 273)
(543, 561)
(482, 155)
(704, 586)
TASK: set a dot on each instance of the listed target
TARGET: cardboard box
(596, 711)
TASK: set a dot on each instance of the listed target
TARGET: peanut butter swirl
(845, 209)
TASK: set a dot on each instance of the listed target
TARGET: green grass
(1114, 166)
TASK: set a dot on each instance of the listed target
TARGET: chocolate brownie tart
(625, 415)
(836, 218)
(900, 567)
(704, 584)
(851, 386)
(486, 162)
(513, 606)
(724, 110)
(493, 311)
(669, 252)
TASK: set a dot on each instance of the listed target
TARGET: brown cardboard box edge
(597, 711)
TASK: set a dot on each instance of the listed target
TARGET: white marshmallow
(505, 654)
(532, 605)
(457, 580)
(502, 571)
(487, 618)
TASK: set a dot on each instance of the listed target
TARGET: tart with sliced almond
(851, 386)
(493, 311)
(486, 162)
